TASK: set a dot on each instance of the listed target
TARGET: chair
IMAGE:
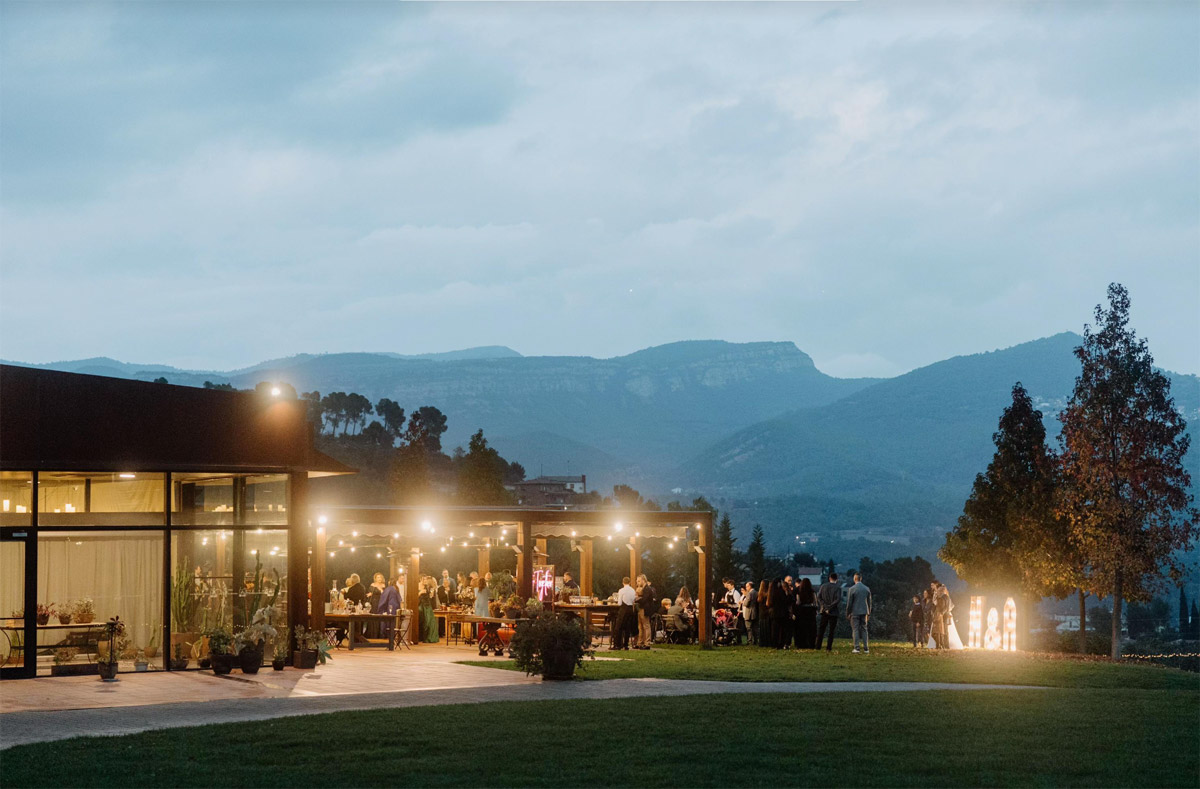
(400, 629)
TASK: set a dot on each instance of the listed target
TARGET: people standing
(858, 611)
(829, 600)
(750, 612)
(448, 581)
(425, 602)
(764, 614)
(390, 603)
(648, 604)
(779, 605)
(806, 616)
(916, 618)
(926, 617)
(732, 599)
(626, 600)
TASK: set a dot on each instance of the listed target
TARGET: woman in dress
(750, 612)
(425, 603)
(390, 602)
(779, 608)
(482, 596)
(764, 619)
(806, 616)
(374, 593)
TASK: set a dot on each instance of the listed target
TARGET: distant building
(813, 574)
(551, 491)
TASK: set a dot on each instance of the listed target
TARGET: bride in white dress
(952, 639)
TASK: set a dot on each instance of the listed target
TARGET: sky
(209, 185)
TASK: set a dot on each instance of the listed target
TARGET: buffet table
(352, 620)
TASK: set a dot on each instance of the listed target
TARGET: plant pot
(43, 620)
(512, 613)
(186, 639)
(84, 619)
(151, 652)
(278, 664)
(250, 660)
(558, 664)
(140, 665)
(74, 670)
(108, 671)
(206, 662)
(102, 648)
(179, 665)
(64, 619)
(223, 664)
(305, 658)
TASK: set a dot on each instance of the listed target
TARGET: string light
(378, 555)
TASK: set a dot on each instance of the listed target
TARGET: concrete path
(18, 728)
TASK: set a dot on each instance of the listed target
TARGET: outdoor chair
(400, 629)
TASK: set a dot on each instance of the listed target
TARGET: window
(108, 499)
(16, 498)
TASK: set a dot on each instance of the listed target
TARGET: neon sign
(543, 582)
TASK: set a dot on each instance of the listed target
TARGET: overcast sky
(885, 184)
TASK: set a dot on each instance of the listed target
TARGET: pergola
(503, 528)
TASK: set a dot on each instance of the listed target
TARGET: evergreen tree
(425, 429)
(723, 550)
(393, 416)
(1194, 626)
(1183, 613)
(481, 474)
(1123, 444)
(756, 555)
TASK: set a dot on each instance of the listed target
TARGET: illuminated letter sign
(1010, 625)
(994, 637)
(975, 624)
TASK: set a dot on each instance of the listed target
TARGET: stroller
(724, 627)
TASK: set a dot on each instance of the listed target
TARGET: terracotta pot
(305, 658)
(151, 652)
(64, 619)
(43, 619)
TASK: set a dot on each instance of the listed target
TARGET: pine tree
(1194, 626)
(1123, 444)
(723, 551)
(756, 555)
(1183, 613)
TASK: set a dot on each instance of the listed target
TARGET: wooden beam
(320, 593)
(300, 547)
(585, 567)
(705, 541)
(414, 575)
(542, 555)
(525, 561)
(485, 561)
(635, 558)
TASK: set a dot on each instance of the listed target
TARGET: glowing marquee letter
(975, 624)
(1010, 625)
(991, 639)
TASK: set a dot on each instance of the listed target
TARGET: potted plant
(139, 661)
(533, 607)
(64, 613)
(113, 629)
(83, 611)
(549, 644)
(179, 661)
(501, 586)
(514, 606)
(43, 614)
(184, 604)
(219, 643)
(64, 667)
(312, 647)
(279, 659)
(251, 642)
(152, 648)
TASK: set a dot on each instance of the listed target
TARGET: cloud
(214, 184)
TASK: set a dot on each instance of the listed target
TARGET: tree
(1183, 614)
(1010, 537)
(627, 498)
(376, 434)
(756, 555)
(1146, 619)
(226, 387)
(481, 473)
(314, 410)
(1123, 443)
(333, 409)
(893, 584)
(161, 380)
(425, 429)
(1194, 627)
(723, 551)
(392, 415)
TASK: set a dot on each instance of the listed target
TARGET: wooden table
(490, 639)
(19, 646)
(450, 616)
(352, 619)
(585, 610)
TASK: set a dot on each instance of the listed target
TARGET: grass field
(1050, 737)
(887, 662)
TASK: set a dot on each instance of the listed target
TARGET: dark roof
(551, 481)
(56, 421)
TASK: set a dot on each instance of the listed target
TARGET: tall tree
(333, 408)
(1183, 613)
(627, 498)
(314, 410)
(392, 415)
(481, 473)
(358, 408)
(1123, 444)
(425, 428)
(1010, 537)
(756, 555)
(723, 549)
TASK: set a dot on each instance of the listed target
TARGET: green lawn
(1052, 737)
(887, 662)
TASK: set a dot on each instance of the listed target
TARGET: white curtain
(122, 573)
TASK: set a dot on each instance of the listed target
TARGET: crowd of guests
(931, 618)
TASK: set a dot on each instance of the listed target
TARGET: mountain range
(755, 427)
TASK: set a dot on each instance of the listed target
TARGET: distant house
(550, 491)
(813, 574)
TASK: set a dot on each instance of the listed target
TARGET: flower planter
(558, 665)
(179, 665)
(82, 619)
(43, 620)
(141, 665)
(151, 652)
(250, 660)
(305, 658)
(108, 671)
(186, 639)
(223, 664)
(277, 664)
(74, 670)
(64, 619)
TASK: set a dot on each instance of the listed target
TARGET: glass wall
(86, 577)
(12, 604)
(229, 499)
(109, 499)
(16, 498)
(220, 578)
(266, 499)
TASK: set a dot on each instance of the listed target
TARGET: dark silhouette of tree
(1183, 613)
(1010, 537)
(627, 498)
(392, 415)
(1194, 626)
(425, 428)
(1123, 444)
(226, 387)
(893, 584)
(481, 473)
(756, 555)
(723, 555)
(514, 474)
(314, 409)
(161, 380)
(333, 408)
(375, 434)
(358, 408)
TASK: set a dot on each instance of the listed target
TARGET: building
(813, 574)
(175, 508)
(551, 491)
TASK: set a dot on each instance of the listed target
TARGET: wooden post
(525, 560)
(635, 558)
(485, 561)
(585, 568)
(299, 546)
(542, 555)
(705, 582)
(319, 590)
(414, 575)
